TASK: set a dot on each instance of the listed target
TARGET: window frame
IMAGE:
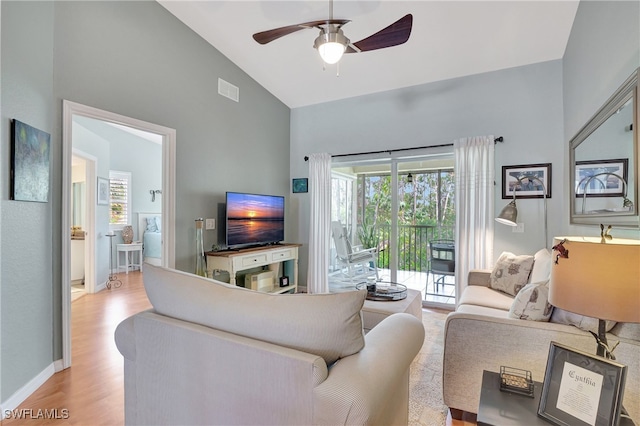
(120, 175)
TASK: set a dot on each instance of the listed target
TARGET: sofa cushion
(511, 273)
(484, 296)
(541, 266)
(585, 323)
(627, 330)
(327, 325)
(532, 303)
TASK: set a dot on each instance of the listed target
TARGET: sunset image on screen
(256, 207)
(254, 219)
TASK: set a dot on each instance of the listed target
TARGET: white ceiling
(449, 39)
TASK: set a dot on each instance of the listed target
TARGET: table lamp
(598, 278)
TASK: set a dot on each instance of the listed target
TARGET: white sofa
(480, 335)
(211, 353)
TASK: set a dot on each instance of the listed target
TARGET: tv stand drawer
(257, 260)
(281, 255)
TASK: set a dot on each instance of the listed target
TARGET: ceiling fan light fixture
(331, 45)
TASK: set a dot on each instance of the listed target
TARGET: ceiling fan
(332, 43)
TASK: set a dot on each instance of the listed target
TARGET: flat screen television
(254, 219)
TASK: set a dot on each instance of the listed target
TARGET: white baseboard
(25, 391)
(58, 365)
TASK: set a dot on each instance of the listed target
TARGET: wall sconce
(627, 204)
(509, 214)
(153, 193)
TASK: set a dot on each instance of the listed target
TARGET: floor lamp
(509, 214)
(597, 278)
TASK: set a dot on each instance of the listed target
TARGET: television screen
(254, 219)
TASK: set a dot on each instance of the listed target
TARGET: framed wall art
(601, 178)
(300, 185)
(580, 388)
(30, 152)
(103, 191)
(526, 187)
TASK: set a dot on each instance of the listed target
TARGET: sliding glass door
(400, 207)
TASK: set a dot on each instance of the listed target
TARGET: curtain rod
(389, 151)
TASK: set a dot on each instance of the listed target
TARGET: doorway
(97, 232)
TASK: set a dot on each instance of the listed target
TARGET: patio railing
(413, 245)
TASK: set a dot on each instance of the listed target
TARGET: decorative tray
(384, 291)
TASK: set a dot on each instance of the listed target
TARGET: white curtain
(474, 177)
(319, 223)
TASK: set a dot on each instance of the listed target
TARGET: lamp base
(601, 340)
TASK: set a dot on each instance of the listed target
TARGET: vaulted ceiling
(449, 39)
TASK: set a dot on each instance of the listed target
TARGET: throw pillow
(541, 266)
(511, 273)
(532, 303)
(158, 221)
(582, 322)
(151, 225)
(326, 325)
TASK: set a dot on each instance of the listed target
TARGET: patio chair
(442, 261)
(356, 263)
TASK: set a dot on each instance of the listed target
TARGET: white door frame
(69, 109)
(90, 221)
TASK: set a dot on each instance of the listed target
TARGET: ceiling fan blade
(265, 37)
(393, 35)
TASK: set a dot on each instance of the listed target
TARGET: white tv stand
(273, 257)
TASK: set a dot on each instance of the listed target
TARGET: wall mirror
(604, 162)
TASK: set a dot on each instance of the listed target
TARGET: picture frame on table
(103, 191)
(532, 187)
(300, 185)
(581, 389)
(604, 185)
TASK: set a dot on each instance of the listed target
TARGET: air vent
(228, 90)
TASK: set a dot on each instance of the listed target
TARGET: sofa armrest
(480, 277)
(475, 342)
(372, 386)
(125, 337)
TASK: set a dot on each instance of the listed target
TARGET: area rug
(426, 407)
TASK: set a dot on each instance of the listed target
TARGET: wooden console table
(273, 258)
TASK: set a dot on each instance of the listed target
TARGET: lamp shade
(598, 279)
(509, 214)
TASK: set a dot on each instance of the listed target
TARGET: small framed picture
(527, 181)
(581, 389)
(103, 191)
(601, 178)
(300, 185)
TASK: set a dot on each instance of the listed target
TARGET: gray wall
(524, 105)
(26, 290)
(135, 59)
(603, 50)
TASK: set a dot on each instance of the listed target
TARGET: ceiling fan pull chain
(338, 69)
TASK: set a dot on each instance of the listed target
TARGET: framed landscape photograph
(527, 180)
(30, 152)
(601, 178)
(581, 389)
(103, 191)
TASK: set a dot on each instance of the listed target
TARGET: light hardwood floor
(91, 391)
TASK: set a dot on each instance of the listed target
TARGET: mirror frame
(628, 90)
